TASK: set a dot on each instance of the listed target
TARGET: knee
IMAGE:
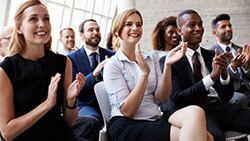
(196, 113)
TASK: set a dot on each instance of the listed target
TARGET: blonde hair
(119, 23)
(17, 41)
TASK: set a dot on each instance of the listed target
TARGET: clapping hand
(141, 61)
(246, 54)
(220, 64)
(76, 86)
(52, 91)
(238, 61)
(176, 54)
(99, 67)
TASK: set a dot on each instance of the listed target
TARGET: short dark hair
(81, 26)
(218, 18)
(184, 12)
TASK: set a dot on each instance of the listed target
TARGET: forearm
(71, 113)
(133, 101)
(18, 125)
(165, 85)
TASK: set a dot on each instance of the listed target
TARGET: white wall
(239, 10)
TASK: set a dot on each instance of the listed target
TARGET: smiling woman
(39, 102)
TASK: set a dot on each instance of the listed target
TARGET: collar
(190, 52)
(1, 58)
(88, 51)
(122, 57)
(223, 46)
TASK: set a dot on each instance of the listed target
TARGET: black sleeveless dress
(30, 81)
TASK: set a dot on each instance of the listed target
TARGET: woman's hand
(141, 61)
(52, 92)
(76, 86)
(176, 54)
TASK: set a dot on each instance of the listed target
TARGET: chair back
(103, 101)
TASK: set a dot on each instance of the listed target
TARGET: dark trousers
(86, 129)
(227, 117)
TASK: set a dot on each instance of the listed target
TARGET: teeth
(134, 35)
(40, 33)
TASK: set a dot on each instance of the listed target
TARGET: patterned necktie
(93, 59)
(197, 67)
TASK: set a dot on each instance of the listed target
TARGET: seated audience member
(199, 75)
(89, 60)
(109, 41)
(67, 38)
(135, 90)
(164, 36)
(38, 97)
(238, 68)
(5, 35)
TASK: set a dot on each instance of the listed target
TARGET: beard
(227, 36)
(93, 42)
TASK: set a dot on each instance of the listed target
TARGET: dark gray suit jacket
(240, 79)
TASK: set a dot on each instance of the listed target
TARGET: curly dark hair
(158, 41)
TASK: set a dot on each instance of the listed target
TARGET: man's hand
(99, 67)
(219, 65)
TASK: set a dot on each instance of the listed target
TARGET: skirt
(125, 129)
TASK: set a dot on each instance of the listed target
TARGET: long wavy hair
(17, 42)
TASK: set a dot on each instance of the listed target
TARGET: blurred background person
(67, 38)
(164, 36)
(5, 35)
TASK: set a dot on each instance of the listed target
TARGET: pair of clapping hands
(242, 58)
(221, 61)
(173, 56)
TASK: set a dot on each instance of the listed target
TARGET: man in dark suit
(199, 76)
(89, 60)
(223, 31)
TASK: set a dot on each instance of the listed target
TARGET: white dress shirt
(207, 80)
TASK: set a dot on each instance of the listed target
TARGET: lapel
(184, 70)
(207, 57)
(83, 60)
(102, 54)
(236, 47)
(219, 48)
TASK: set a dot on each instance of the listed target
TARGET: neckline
(38, 60)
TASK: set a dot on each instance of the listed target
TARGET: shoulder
(8, 65)
(215, 46)
(76, 53)
(55, 60)
(106, 51)
(236, 46)
(57, 57)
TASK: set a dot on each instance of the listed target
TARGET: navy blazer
(80, 63)
(240, 81)
(186, 92)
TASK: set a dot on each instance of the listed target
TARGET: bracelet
(71, 107)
